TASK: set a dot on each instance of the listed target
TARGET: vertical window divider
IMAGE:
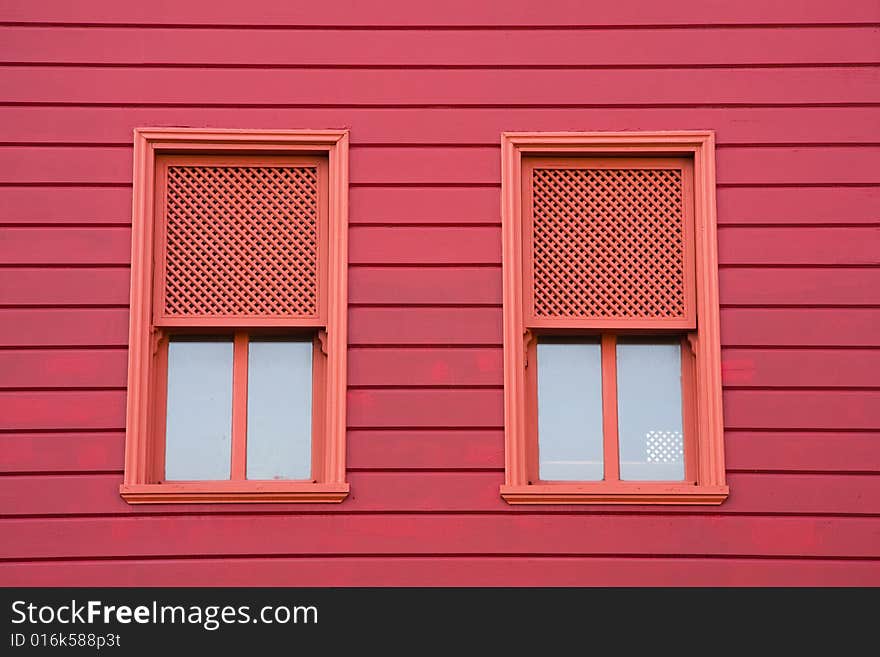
(239, 406)
(609, 408)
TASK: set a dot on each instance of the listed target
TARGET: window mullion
(239, 407)
(609, 408)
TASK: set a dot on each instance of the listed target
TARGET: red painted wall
(793, 91)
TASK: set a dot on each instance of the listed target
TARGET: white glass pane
(570, 410)
(649, 410)
(279, 416)
(198, 428)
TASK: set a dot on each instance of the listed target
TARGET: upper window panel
(631, 262)
(240, 238)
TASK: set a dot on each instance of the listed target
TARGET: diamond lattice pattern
(608, 243)
(241, 241)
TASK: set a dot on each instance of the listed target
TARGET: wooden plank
(400, 125)
(801, 368)
(61, 452)
(432, 366)
(444, 571)
(800, 286)
(801, 409)
(458, 245)
(64, 327)
(458, 165)
(421, 449)
(446, 408)
(451, 13)
(799, 246)
(478, 326)
(715, 86)
(447, 492)
(93, 409)
(799, 206)
(63, 368)
(422, 246)
(26, 286)
(675, 47)
(421, 285)
(423, 366)
(800, 327)
(849, 327)
(511, 533)
(825, 451)
(63, 246)
(66, 205)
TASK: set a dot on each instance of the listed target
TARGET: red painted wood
(799, 409)
(480, 326)
(31, 286)
(62, 452)
(802, 285)
(445, 571)
(420, 47)
(740, 326)
(399, 125)
(799, 204)
(93, 246)
(447, 87)
(63, 205)
(420, 285)
(454, 12)
(64, 327)
(420, 449)
(444, 492)
(57, 368)
(441, 245)
(801, 246)
(425, 408)
(800, 327)
(754, 285)
(420, 366)
(792, 450)
(459, 245)
(458, 165)
(456, 449)
(93, 409)
(512, 533)
(800, 368)
(439, 367)
(450, 408)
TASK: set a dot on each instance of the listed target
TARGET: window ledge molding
(599, 493)
(232, 491)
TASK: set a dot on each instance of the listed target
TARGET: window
(237, 350)
(611, 327)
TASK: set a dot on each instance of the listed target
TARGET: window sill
(194, 492)
(618, 493)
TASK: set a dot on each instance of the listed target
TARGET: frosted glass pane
(570, 410)
(649, 410)
(198, 428)
(279, 416)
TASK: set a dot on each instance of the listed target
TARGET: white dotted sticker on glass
(664, 446)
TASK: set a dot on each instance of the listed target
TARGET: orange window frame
(151, 329)
(704, 481)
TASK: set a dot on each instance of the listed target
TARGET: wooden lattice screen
(241, 241)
